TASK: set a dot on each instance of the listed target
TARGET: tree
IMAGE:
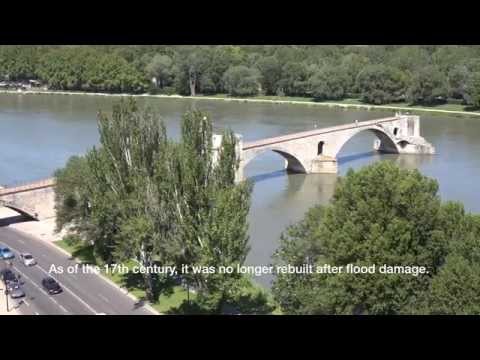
(378, 54)
(352, 64)
(128, 212)
(329, 83)
(64, 68)
(71, 193)
(472, 91)
(192, 63)
(222, 58)
(271, 72)
(409, 58)
(241, 81)
(428, 86)
(294, 81)
(207, 84)
(132, 167)
(112, 73)
(19, 62)
(160, 68)
(76, 191)
(225, 237)
(380, 214)
(380, 84)
(298, 246)
(191, 69)
(211, 209)
(457, 81)
(139, 196)
(456, 288)
(88, 69)
(447, 56)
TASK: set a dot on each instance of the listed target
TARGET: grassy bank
(173, 299)
(453, 109)
(450, 109)
(169, 301)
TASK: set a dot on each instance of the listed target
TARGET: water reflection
(263, 177)
(348, 158)
(413, 161)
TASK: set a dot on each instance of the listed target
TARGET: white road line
(61, 307)
(55, 302)
(38, 287)
(70, 291)
(36, 313)
(103, 298)
(63, 285)
(26, 303)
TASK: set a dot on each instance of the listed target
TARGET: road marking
(38, 287)
(61, 307)
(63, 285)
(71, 292)
(103, 298)
(26, 303)
(36, 313)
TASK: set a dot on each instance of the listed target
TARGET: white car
(28, 259)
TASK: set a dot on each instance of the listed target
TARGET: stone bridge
(33, 200)
(316, 151)
(312, 151)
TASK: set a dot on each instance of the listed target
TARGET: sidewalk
(3, 305)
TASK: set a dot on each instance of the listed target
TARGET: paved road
(83, 294)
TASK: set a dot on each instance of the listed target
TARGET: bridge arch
(293, 162)
(27, 213)
(387, 142)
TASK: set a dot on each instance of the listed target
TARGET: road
(83, 294)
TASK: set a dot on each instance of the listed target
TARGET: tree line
(425, 75)
(142, 196)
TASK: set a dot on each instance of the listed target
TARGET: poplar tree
(132, 187)
(211, 209)
(139, 196)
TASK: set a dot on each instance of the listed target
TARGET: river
(38, 133)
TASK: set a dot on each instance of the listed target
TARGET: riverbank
(449, 109)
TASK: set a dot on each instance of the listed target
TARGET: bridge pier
(324, 165)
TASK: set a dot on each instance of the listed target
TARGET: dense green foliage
(241, 81)
(140, 196)
(380, 84)
(428, 86)
(89, 70)
(328, 83)
(376, 74)
(379, 215)
(473, 90)
(455, 290)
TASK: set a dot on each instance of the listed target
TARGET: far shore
(306, 102)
